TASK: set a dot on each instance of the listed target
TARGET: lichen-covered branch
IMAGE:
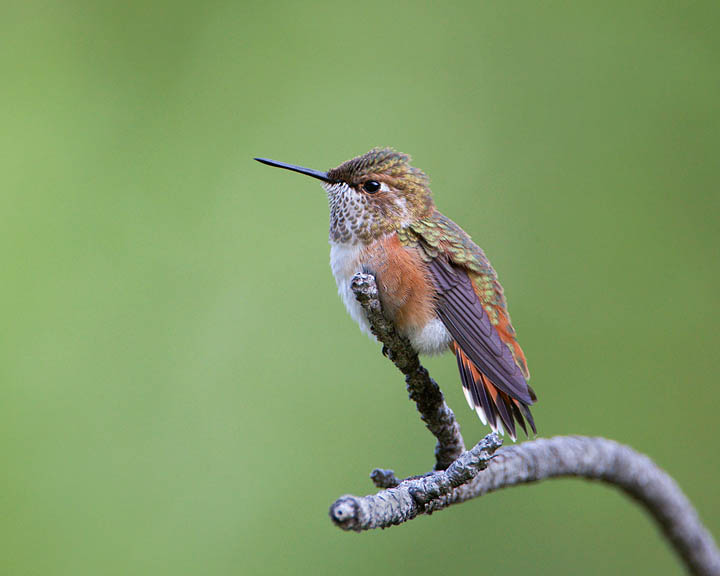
(422, 389)
(412, 497)
(564, 456)
(461, 476)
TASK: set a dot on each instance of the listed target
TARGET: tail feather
(518, 415)
(493, 406)
(528, 416)
(500, 400)
(471, 391)
(475, 392)
(486, 403)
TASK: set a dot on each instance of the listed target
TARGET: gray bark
(461, 476)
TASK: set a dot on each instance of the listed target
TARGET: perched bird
(434, 283)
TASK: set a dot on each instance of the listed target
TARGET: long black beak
(307, 171)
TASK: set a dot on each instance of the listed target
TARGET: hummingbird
(434, 283)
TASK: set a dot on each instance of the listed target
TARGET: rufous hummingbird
(434, 282)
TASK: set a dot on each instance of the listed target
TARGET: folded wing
(493, 380)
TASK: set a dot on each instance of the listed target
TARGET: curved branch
(563, 456)
(461, 476)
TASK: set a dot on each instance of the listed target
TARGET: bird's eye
(371, 186)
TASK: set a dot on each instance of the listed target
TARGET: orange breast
(405, 287)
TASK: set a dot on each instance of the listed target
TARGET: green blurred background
(181, 390)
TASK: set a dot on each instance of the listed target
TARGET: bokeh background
(181, 390)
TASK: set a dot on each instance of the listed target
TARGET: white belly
(345, 263)
(432, 338)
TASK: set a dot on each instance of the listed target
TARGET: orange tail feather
(491, 404)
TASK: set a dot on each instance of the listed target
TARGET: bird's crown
(384, 163)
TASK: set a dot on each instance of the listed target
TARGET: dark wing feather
(467, 321)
